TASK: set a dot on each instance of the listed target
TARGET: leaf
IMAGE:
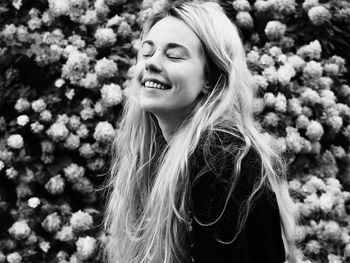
(3, 143)
(92, 211)
(22, 153)
(61, 162)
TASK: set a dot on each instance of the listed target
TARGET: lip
(143, 81)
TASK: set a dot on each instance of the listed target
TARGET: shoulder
(218, 154)
(215, 166)
(212, 173)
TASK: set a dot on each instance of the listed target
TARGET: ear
(206, 88)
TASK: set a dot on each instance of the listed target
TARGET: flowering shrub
(64, 69)
(65, 65)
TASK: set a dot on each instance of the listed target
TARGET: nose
(153, 63)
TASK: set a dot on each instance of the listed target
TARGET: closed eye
(169, 56)
(174, 57)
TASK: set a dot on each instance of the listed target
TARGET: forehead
(171, 29)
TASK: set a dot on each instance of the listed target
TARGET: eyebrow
(169, 45)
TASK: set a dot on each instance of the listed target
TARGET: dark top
(261, 238)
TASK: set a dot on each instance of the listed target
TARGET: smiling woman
(193, 178)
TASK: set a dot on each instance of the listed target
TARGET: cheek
(190, 76)
(195, 81)
(137, 71)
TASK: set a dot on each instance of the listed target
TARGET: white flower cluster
(52, 223)
(45, 116)
(285, 73)
(275, 51)
(111, 95)
(87, 113)
(244, 20)
(59, 7)
(105, 37)
(86, 247)
(11, 173)
(72, 142)
(86, 150)
(258, 105)
(331, 69)
(114, 21)
(15, 141)
(58, 131)
(101, 8)
(313, 70)
(77, 41)
(319, 15)
(253, 56)
(38, 105)
(271, 119)
(308, 4)
(335, 122)
(296, 143)
(302, 122)
(124, 29)
(73, 172)
(89, 18)
(77, 8)
(83, 131)
(296, 61)
(17, 4)
(90, 81)
(22, 105)
(14, 257)
(271, 75)
(241, 5)
(34, 202)
(8, 33)
(104, 132)
(76, 67)
(100, 108)
(324, 83)
(65, 234)
(281, 103)
(312, 51)
(262, 6)
(328, 98)
(310, 97)
(81, 221)
(269, 99)
(266, 61)
(55, 185)
(283, 7)
(279, 7)
(44, 246)
(314, 130)
(106, 68)
(22, 120)
(20, 230)
(275, 30)
(260, 81)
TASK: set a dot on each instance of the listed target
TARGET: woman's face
(170, 71)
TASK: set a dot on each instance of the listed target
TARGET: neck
(169, 125)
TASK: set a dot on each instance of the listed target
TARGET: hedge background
(65, 65)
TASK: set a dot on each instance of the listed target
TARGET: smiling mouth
(155, 85)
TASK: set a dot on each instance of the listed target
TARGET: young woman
(193, 178)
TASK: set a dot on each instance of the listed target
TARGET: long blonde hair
(147, 210)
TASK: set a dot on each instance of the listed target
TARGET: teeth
(151, 84)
